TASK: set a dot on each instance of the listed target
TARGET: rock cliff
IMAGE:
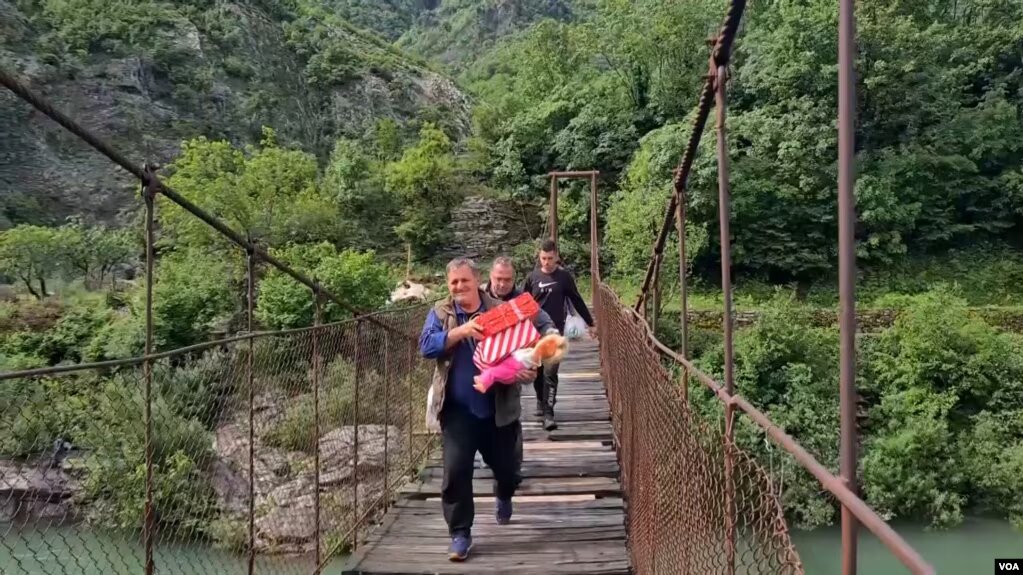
(223, 72)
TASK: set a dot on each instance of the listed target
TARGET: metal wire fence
(278, 449)
(697, 503)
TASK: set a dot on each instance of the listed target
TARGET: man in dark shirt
(502, 286)
(551, 286)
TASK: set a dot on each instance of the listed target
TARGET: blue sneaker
(460, 546)
(504, 511)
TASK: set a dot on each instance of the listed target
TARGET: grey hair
(461, 263)
(503, 261)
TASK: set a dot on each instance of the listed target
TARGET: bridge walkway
(569, 514)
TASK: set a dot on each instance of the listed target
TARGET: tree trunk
(28, 284)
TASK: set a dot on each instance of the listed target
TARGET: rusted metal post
(554, 209)
(655, 300)
(594, 241)
(726, 286)
(355, 440)
(387, 412)
(250, 269)
(680, 224)
(411, 385)
(317, 312)
(847, 272)
(149, 195)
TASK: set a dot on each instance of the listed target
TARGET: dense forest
(537, 85)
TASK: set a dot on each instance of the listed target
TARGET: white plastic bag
(575, 327)
(432, 423)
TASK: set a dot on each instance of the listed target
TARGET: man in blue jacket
(471, 421)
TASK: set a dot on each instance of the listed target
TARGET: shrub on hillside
(356, 277)
(938, 380)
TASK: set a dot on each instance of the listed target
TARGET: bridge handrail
(140, 359)
(832, 483)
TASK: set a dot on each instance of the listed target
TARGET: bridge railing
(695, 498)
(276, 448)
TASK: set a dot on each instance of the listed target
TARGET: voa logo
(1008, 566)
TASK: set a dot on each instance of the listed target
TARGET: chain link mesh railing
(339, 406)
(677, 468)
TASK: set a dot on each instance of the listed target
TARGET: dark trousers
(463, 434)
(546, 387)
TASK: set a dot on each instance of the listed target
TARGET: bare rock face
(36, 490)
(285, 486)
(483, 227)
(146, 106)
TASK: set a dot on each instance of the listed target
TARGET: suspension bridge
(634, 479)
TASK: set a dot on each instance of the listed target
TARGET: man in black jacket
(552, 286)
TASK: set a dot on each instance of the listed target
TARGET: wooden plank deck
(568, 518)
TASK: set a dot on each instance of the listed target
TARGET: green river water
(969, 549)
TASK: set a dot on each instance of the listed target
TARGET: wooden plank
(529, 486)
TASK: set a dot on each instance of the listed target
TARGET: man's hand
(592, 331)
(467, 330)
(526, 375)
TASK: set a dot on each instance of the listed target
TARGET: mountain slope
(455, 32)
(148, 74)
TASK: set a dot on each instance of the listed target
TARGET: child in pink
(506, 370)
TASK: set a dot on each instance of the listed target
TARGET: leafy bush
(36, 412)
(789, 369)
(193, 290)
(114, 440)
(202, 389)
(353, 276)
(67, 339)
(939, 379)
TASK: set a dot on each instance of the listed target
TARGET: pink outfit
(505, 370)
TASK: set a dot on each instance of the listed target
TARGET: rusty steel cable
(720, 57)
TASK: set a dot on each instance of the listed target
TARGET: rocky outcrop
(285, 481)
(37, 490)
(483, 227)
(217, 89)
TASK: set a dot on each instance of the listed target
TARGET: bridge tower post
(847, 272)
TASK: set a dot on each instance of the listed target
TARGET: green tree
(637, 209)
(425, 182)
(367, 210)
(92, 252)
(32, 254)
(355, 277)
(269, 194)
(194, 292)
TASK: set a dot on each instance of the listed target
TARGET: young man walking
(552, 286)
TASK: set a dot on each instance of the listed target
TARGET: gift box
(494, 349)
(508, 314)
